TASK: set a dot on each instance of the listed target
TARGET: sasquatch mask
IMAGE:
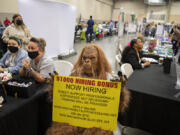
(89, 62)
(92, 63)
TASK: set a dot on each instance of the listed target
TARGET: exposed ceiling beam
(106, 3)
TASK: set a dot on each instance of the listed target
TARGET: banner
(86, 102)
(132, 28)
(160, 30)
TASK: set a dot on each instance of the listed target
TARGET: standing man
(90, 24)
(153, 30)
(147, 30)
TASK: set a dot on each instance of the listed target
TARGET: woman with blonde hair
(17, 29)
(39, 66)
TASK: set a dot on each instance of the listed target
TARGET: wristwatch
(30, 69)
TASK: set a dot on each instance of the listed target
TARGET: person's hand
(26, 64)
(143, 60)
(1, 69)
(147, 63)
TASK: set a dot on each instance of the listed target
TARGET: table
(29, 116)
(155, 104)
(162, 49)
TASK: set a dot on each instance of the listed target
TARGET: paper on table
(150, 60)
(1, 99)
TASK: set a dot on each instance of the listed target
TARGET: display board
(160, 30)
(132, 28)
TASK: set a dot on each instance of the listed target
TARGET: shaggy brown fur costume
(100, 73)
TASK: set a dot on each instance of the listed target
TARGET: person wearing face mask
(17, 29)
(12, 59)
(39, 66)
(132, 55)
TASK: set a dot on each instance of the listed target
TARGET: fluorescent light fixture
(155, 2)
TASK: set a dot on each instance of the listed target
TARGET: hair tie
(19, 42)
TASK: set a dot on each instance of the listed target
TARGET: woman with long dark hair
(132, 55)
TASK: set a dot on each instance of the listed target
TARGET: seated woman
(12, 59)
(40, 65)
(139, 37)
(133, 55)
(92, 63)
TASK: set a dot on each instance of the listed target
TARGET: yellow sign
(86, 102)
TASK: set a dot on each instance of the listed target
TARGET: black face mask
(19, 22)
(33, 55)
(13, 49)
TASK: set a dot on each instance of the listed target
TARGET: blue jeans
(89, 31)
(110, 32)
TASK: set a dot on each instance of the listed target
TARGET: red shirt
(7, 22)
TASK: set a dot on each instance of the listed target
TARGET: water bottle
(167, 65)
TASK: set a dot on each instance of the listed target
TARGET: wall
(100, 9)
(8, 8)
(136, 7)
(157, 10)
(142, 10)
(175, 12)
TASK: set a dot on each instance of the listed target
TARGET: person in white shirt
(39, 66)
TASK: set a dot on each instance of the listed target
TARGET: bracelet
(29, 70)
(24, 69)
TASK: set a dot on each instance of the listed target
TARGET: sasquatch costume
(92, 63)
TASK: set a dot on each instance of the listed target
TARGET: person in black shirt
(147, 30)
(153, 31)
(132, 55)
